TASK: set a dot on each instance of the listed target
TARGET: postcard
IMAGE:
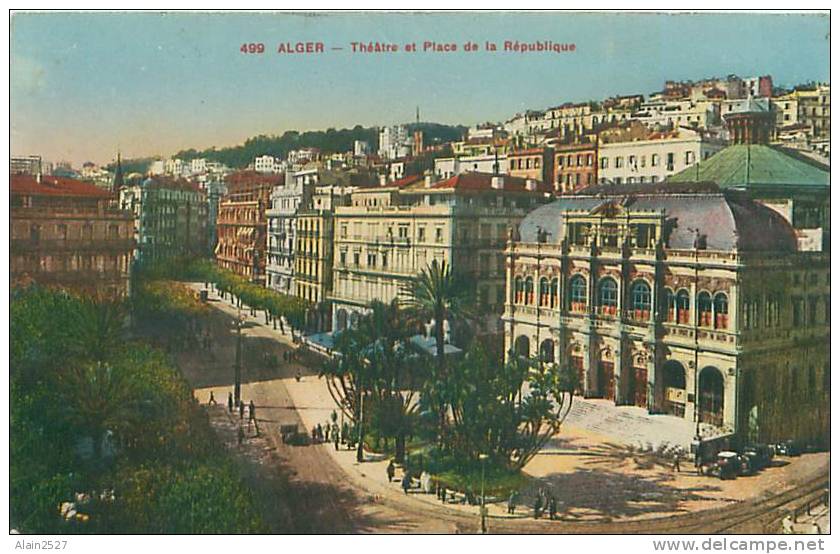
(431, 272)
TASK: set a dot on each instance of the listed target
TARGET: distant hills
(329, 141)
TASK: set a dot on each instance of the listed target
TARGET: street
(327, 492)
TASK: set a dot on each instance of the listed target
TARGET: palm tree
(439, 294)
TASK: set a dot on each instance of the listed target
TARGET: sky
(84, 85)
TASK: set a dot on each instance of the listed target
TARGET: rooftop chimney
(497, 182)
(383, 179)
(428, 181)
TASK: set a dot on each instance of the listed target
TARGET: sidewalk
(313, 403)
(606, 465)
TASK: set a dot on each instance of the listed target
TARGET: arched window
(704, 308)
(519, 290)
(544, 292)
(522, 346)
(547, 351)
(554, 292)
(640, 295)
(721, 311)
(608, 296)
(670, 311)
(577, 294)
(529, 290)
(683, 304)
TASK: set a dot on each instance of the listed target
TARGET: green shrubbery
(93, 414)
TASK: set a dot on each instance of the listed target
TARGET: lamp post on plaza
(483, 510)
(237, 367)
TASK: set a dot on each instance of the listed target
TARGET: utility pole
(360, 455)
(237, 368)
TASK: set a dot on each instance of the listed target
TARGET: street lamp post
(483, 457)
(360, 454)
(237, 368)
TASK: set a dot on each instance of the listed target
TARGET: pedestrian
(443, 493)
(345, 428)
(230, 402)
(512, 503)
(390, 470)
(327, 432)
(538, 504)
(252, 412)
(212, 401)
(241, 410)
(314, 434)
(552, 508)
(426, 482)
(320, 433)
(297, 375)
(241, 435)
(335, 441)
(677, 462)
(787, 525)
(406, 482)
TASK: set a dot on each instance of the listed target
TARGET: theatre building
(683, 299)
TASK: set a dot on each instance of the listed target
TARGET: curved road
(323, 498)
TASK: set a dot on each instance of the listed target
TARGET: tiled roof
(255, 178)
(756, 165)
(475, 181)
(727, 220)
(55, 186)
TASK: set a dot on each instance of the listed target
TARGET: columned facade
(651, 318)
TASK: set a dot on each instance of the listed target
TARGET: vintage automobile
(788, 448)
(290, 435)
(758, 456)
(727, 466)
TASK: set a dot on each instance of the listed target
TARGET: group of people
(542, 503)
(331, 432)
(252, 414)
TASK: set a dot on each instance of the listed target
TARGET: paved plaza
(607, 463)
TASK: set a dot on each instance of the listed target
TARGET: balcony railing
(72, 244)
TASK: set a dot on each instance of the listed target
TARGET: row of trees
(279, 309)
(328, 141)
(109, 425)
(465, 408)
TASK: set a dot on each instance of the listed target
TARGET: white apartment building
(177, 167)
(286, 200)
(388, 234)
(489, 163)
(654, 158)
(394, 142)
(678, 113)
(360, 148)
(269, 164)
(302, 156)
(198, 165)
(157, 167)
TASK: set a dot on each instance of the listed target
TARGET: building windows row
(712, 310)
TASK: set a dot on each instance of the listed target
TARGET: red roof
(55, 186)
(255, 178)
(475, 181)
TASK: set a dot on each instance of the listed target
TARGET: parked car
(728, 465)
(758, 456)
(788, 448)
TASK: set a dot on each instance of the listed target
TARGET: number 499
(252, 48)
